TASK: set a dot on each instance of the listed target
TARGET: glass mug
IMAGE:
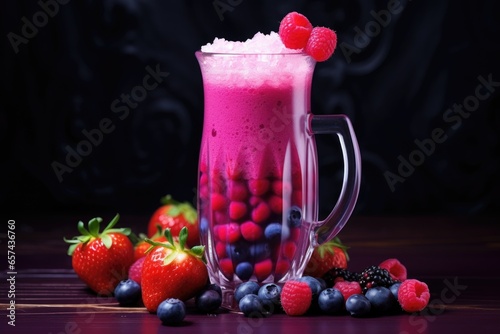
(258, 180)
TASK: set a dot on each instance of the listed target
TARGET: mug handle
(338, 217)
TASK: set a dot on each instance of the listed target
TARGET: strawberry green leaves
(92, 233)
(177, 208)
(177, 247)
(331, 246)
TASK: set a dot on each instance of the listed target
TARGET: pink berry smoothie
(253, 164)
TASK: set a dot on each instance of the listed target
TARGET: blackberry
(375, 276)
(334, 273)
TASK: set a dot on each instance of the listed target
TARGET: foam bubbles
(259, 43)
(261, 60)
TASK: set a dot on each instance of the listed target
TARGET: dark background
(395, 87)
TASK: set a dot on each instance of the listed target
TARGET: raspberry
(396, 269)
(261, 212)
(288, 249)
(226, 267)
(321, 43)
(218, 202)
(204, 179)
(348, 288)
(413, 295)
(297, 197)
(296, 297)
(237, 210)
(237, 191)
(220, 249)
(258, 187)
(294, 30)
(134, 273)
(277, 187)
(263, 269)
(276, 204)
(255, 200)
(229, 232)
(294, 233)
(251, 231)
(281, 269)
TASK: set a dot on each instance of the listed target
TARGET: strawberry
(331, 254)
(142, 246)
(175, 215)
(103, 259)
(170, 270)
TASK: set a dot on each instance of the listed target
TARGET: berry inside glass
(251, 178)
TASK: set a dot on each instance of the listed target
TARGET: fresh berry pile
(372, 294)
(168, 273)
(296, 32)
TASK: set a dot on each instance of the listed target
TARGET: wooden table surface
(457, 258)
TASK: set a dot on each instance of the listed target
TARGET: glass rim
(298, 53)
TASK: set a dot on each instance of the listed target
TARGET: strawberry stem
(177, 208)
(176, 247)
(93, 233)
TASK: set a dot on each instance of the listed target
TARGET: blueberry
(251, 306)
(313, 283)
(395, 289)
(381, 299)
(294, 216)
(238, 252)
(214, 287)
(358, 305)
(244, 270)
(330, 301)
(322, 282)
(244, 289)
(204, 225)
(273, 231)
(208, 301)
(128, 292)
(260, 251)
(171, 311)
(270, 294)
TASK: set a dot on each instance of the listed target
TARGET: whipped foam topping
(259, 44)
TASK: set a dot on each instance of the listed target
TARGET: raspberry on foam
(294, 30)
(296, 297)
(348, 288)
(395, 268)
(413, 295)
(321, 44)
